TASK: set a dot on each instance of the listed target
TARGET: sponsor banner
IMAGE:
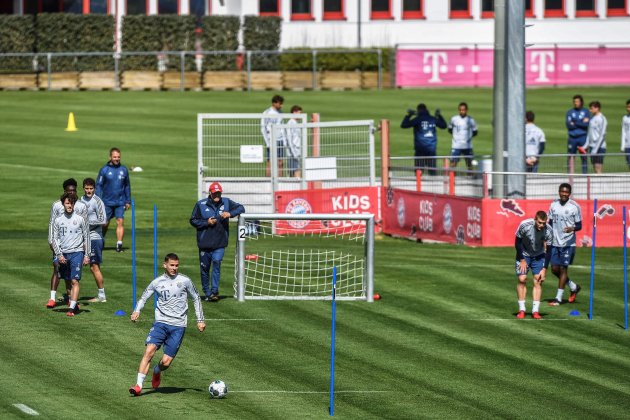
(501, 218)
(360, 200)
(432, 217)
(543, 67)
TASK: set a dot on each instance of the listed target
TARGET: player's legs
(96, 258)
(54, 283)
(598, 161)
(521, 287)
(120, 230)
(172, 343)
(145, 362)
(627, 152)
(205, 260)
(217, 257)
(109, 214)
(455, 153)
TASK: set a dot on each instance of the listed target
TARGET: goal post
(282, 256)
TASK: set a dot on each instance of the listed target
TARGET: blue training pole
(625, 267)
(332, 344)
(133, 254)
(155, 250)
(590, 305)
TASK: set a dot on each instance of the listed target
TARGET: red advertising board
(432, 217)
(359, 200)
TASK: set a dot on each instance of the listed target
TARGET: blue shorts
(279, 150)
(293, 164)
(574, 142)
(562, 255)
(535, 264)
(168, 335)
(71, 270)
(461, 152)
(115, 211)
(599, 157)
(96, 256)
(627, 152)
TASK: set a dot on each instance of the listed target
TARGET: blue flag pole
(133, 254)
(590, 305)
(332, 344)
(155, 250)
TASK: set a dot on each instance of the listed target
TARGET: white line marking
(526, 319)
(306, 392)
(237, 319)
(26, 409)
(42, 168)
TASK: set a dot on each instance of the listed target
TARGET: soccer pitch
(441, 343)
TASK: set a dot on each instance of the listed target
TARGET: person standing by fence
(596, 138)
(424, 135)
(625, 133)
(463, 128)
(534, 142)
(576, 120)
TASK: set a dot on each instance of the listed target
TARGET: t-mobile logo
(434, 63)
(542, 62)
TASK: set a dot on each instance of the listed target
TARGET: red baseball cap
(215, 187)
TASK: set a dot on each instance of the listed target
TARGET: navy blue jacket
(576, 127)
(113, 186)
(213, 237)
(424, 132)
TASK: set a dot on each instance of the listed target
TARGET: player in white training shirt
(171, 318)
(565, 217)
(533, 251)
(625, 133)
(96, 219)
(596, 137)
(294, 145)
(270, 119)
(534, 142)
(463, 128)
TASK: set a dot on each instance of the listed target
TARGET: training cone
(120, 312)
(71, 125)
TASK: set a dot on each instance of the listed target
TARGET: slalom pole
(133, 254)
(590, 305)
(625, 267)
(155, 250)
(331, 408)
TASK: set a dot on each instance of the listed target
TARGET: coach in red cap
(211, 218)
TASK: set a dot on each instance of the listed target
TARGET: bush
(336, 61)
(17, 35)
(262, 33)
(219, 33)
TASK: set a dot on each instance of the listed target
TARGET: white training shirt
(533, 240)
(57, 209)
(462, 131)
(70, 233)
(96, 216)
(294, 139)
(172, 303)
(596, 137)
(625, 132)
(534, 136)
(562, 216)
(267, 122)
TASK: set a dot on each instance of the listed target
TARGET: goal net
(292, 256)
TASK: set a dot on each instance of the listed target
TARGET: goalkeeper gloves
(411, 111)
(438, 113)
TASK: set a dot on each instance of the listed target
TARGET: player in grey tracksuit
(596, 137)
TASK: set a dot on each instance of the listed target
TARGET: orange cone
(71, 125)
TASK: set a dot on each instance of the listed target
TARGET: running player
(534, 142)
(565, 217)
(463, 128)
(171, 319)
(533, 251)
(96, 219)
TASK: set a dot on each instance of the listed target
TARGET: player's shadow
(79, 312)
(169, 390)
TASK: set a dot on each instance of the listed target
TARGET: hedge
(17, 35)
(336, 61)
(219, 33)
(262, 33)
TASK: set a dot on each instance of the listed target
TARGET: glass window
(167, 7)
(301, 7)
(73, 6)
(584, 5)
(617, 8)
(381, 9)
(98, 6)
(554, 8)
(198, 7)
(460, 9)
(487, 8)
(269, 7)
(49, 6)
(333, 10)
(136, 7)
(31, 7)
(412, 9)
(6, 7)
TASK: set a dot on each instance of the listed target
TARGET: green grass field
(441, 343)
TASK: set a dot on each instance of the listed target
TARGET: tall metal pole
(359, 24)
(498, 115)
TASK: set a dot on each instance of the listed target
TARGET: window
(381, 9)
(137, 7)
(412, 9)
(168, 7)
(487, 8)
(49, 6)
(301, 10)
(554, 8)
(334, 10)
(198, 7)
(73, 6)
(585, 8)
(460, 9)
(6, 8)
(98, 6)
(617, 8)
(529, 8)
(269, 7)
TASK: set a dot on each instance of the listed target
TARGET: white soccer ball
(218, 389)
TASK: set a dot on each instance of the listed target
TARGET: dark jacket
(424, 132)
(113, 186)
(575, 125)
(213, 237)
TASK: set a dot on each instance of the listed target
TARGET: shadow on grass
(168, 390)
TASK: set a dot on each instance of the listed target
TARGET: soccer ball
(218, 389)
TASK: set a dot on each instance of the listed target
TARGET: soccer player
(596, 137)
(114, 188)
(577, 120)
(534, 142)
(294, 143)
(625, 133)
(424, 135)
(56, 210)
(266, 124)
(533, 251)
(96, 219)
(171, 318)
(211, 218)
(565, 218)
(463, 128)
(71, 244)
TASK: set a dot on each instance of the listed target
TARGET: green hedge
(336, 61)
(157, 33)
(17, 35)
(219, 33)
(262, 34)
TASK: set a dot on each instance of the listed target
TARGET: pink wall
(543, 67)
